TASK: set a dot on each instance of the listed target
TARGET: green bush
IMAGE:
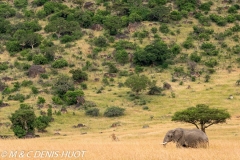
(6, 11)
(206, 6)
(164, 28)
(42, 122)
(209, 49)
(3, 66)
(44, 76)
(154, 30)
(112, 68)
(155, 90)
(7, 90)
(71, 96)
(66, 39)
(114, 112)
(204, 20)
(79, 75)
(57, 100)
(123, 73)
(141, 35)
(60, 63)
(207, 78)
(52, 7)
(211, 62)
(62, 84)
(34, 90)
(195, 57)
(100, 41)
(83, 85)
(233, 9)
(39, 2)
(41, 14)
(121, 56)
(20, 3)
(236, 49)
(188, 44)
(105, 81)
(220, 21)
(26, 83)
(94, 112)
(39, 59)
(41, 100)
(17, 97)
(13, 46)
(176, 15)
(230, 18)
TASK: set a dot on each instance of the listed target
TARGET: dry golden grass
(139, 144)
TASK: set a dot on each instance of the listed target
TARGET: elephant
(193, 138)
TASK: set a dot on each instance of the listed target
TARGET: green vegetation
(137, 83)
(114, 112)
(24, 121)
(201, 116)
(116, 53)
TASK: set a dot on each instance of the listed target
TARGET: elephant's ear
(177, 134)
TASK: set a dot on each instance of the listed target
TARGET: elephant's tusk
(164, 143)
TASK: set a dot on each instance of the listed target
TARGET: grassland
(134, 144)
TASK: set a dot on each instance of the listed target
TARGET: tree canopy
(23, 121)
(201, 116)
(137, 83)
(156, 53)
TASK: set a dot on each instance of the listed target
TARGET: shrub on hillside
(100, 41)
(176, 15)
(211, 62)
(20, 3)
(39, 59)
(60, 63)
(57, 100)
(79, 75)
(17, 97)
(114, 112)
(195, 57)
(3, 66)
(71, 96)
(188, 43)
(94, 112)
(164, 28)
(41, 100)
(62, 84)
(121, 56)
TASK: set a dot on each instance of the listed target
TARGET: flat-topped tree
(201, 116)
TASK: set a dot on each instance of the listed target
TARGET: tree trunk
(203, 128)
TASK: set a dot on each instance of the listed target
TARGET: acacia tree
(201, 116)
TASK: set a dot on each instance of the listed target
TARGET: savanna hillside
(75, 57)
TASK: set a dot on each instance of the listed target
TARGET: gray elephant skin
(193, 138)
